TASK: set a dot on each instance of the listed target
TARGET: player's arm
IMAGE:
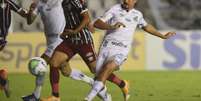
(85, 21)
(83, 11)
(152, 30)
(100, 24)
(17, 9)
(32, 13)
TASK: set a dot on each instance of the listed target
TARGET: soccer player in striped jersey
(5, 20)
(77, 40)
(52, 15)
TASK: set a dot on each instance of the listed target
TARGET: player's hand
(70, 31)
(91, 28)
(32, 6)
(117, 25)
(168, 35)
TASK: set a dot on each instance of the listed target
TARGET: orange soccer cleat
(125, 91)
(51, 98)
(4, 83)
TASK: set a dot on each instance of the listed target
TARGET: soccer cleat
(108, 97)
(4, 82)
(31, 97)
(6, 89)
(51, 98)
(125, 90)
(104, 95)
(86, 99)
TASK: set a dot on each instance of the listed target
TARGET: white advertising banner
(181, 52)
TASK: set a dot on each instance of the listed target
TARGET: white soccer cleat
(104, 95)
(108, 97)
(86, 99)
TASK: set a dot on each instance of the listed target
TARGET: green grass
(145, 86)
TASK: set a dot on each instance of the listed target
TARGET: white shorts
(52, 41)
(111, 52)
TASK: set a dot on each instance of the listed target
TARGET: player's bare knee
(110, 65)
(66, 73)
(54, 64)
(65, 69)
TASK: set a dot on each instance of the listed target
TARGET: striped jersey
(72, 11)
(5, 16)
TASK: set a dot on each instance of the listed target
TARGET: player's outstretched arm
(31, 15)
(105, 26)
(17, 8)
(152, 30)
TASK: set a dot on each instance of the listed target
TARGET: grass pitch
(144, 86)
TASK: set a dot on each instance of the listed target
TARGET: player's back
(52, 15)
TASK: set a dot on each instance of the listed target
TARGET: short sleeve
(142, 22)
(107, 15)
(81, 7)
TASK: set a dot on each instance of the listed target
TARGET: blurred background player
(52, 15)
(120, 22)
(77, 39)
(5, 20)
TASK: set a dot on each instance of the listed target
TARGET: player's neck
(126, 9)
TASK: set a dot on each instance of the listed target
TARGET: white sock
(78, 75)
(103, 93)
(39, 82)
(97, 86)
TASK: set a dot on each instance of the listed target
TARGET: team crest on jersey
(135, 18)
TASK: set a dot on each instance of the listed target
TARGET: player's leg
(52, 42)
(101, 78)
(4, 83)
(88, 54)
(39, 80)
(123, 84)
(57, 59)
(75, 74)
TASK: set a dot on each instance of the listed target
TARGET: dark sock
(122, 84)
(54, 80)
(114, 79)
(55, 94)
(3, 81)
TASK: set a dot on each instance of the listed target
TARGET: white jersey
(116, 43)
(52, 16)
(130, 19)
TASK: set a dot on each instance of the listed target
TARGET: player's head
(128, 4)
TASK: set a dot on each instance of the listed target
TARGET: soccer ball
(37, 66)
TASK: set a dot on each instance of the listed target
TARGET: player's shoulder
(115, 8)
(137, 12)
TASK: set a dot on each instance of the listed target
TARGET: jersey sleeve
(14, 6)
(142, 22)
(107, 15)
(81, 7)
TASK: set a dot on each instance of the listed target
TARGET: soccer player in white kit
(52, 15)
(120, 22)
